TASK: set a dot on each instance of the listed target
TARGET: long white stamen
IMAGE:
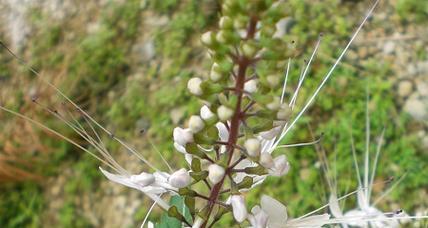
(367, 154)
(285, 80)
(379, 146)
(299, 85)
(328, 74)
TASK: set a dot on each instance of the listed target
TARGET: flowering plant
(232, 145)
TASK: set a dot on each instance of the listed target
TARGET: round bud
(206, 113)
(275, 104)
(251, 86)
(182, 136)
(196, 124)
(253, 147)
(284, 112)
(226, 22)
(273, 81)
(221, 37)
(215, 74)
(224, 113)
(179, 179)
(194, 86)
(215, 173)
(207, 38)
(266, 160)
(249, 50)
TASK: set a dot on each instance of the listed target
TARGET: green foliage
(410, 10)
(21, 205)
(171, 222)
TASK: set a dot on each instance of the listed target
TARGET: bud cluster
(226, 145)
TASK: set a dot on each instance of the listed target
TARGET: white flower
(273, 214)
(180, 178)
(280, 167)
(266, 160)
(194, 86)
(143, 179)
(224, 113)
(206, 113)
(153, 190)
(253, 147)
(215, 173)
(196, 124)
(258, 218)
(182, 136)
(238, 207)
(207, 38)
(251, 86)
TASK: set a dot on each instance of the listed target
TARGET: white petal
(281, 166)
(215, 173)
(182, 136)
(238, 207)
(206, 113)
(311, 221)
(333, 204)
(276, 211)
(143, 179)
(223, 133)
(180, 178)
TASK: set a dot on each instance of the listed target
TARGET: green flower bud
(273, 81)
(249, 50)
(284, 112)
(226, 23)
(215, 74)
(253, 147)
(224, 113)
(275, 104)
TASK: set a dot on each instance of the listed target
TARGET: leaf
(171, 222)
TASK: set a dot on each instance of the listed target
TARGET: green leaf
(171, 222)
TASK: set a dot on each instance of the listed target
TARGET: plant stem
(243, 64)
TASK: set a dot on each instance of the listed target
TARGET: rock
(145, 51)
(405, 88)
(416, 108)
(389, 47)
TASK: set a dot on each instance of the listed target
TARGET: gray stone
(389, 47)
(405, 88)
(416, 108)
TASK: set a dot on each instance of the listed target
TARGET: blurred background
(127, 63)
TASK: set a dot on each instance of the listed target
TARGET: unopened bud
(249, 50)
(224, 113)
(251, 86)
(226, 22)
(182, 136)
(221, 37)
(207, 38)
(215, 73)
(281, 166)
(143, 179)
(253, 147)
(273, 80)
(238, 207)
(196, 124)
(266, 160)
(206, 113)
(194, 86)
(275, 104)
(284, 112)
(215, 173)
(179, 179)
